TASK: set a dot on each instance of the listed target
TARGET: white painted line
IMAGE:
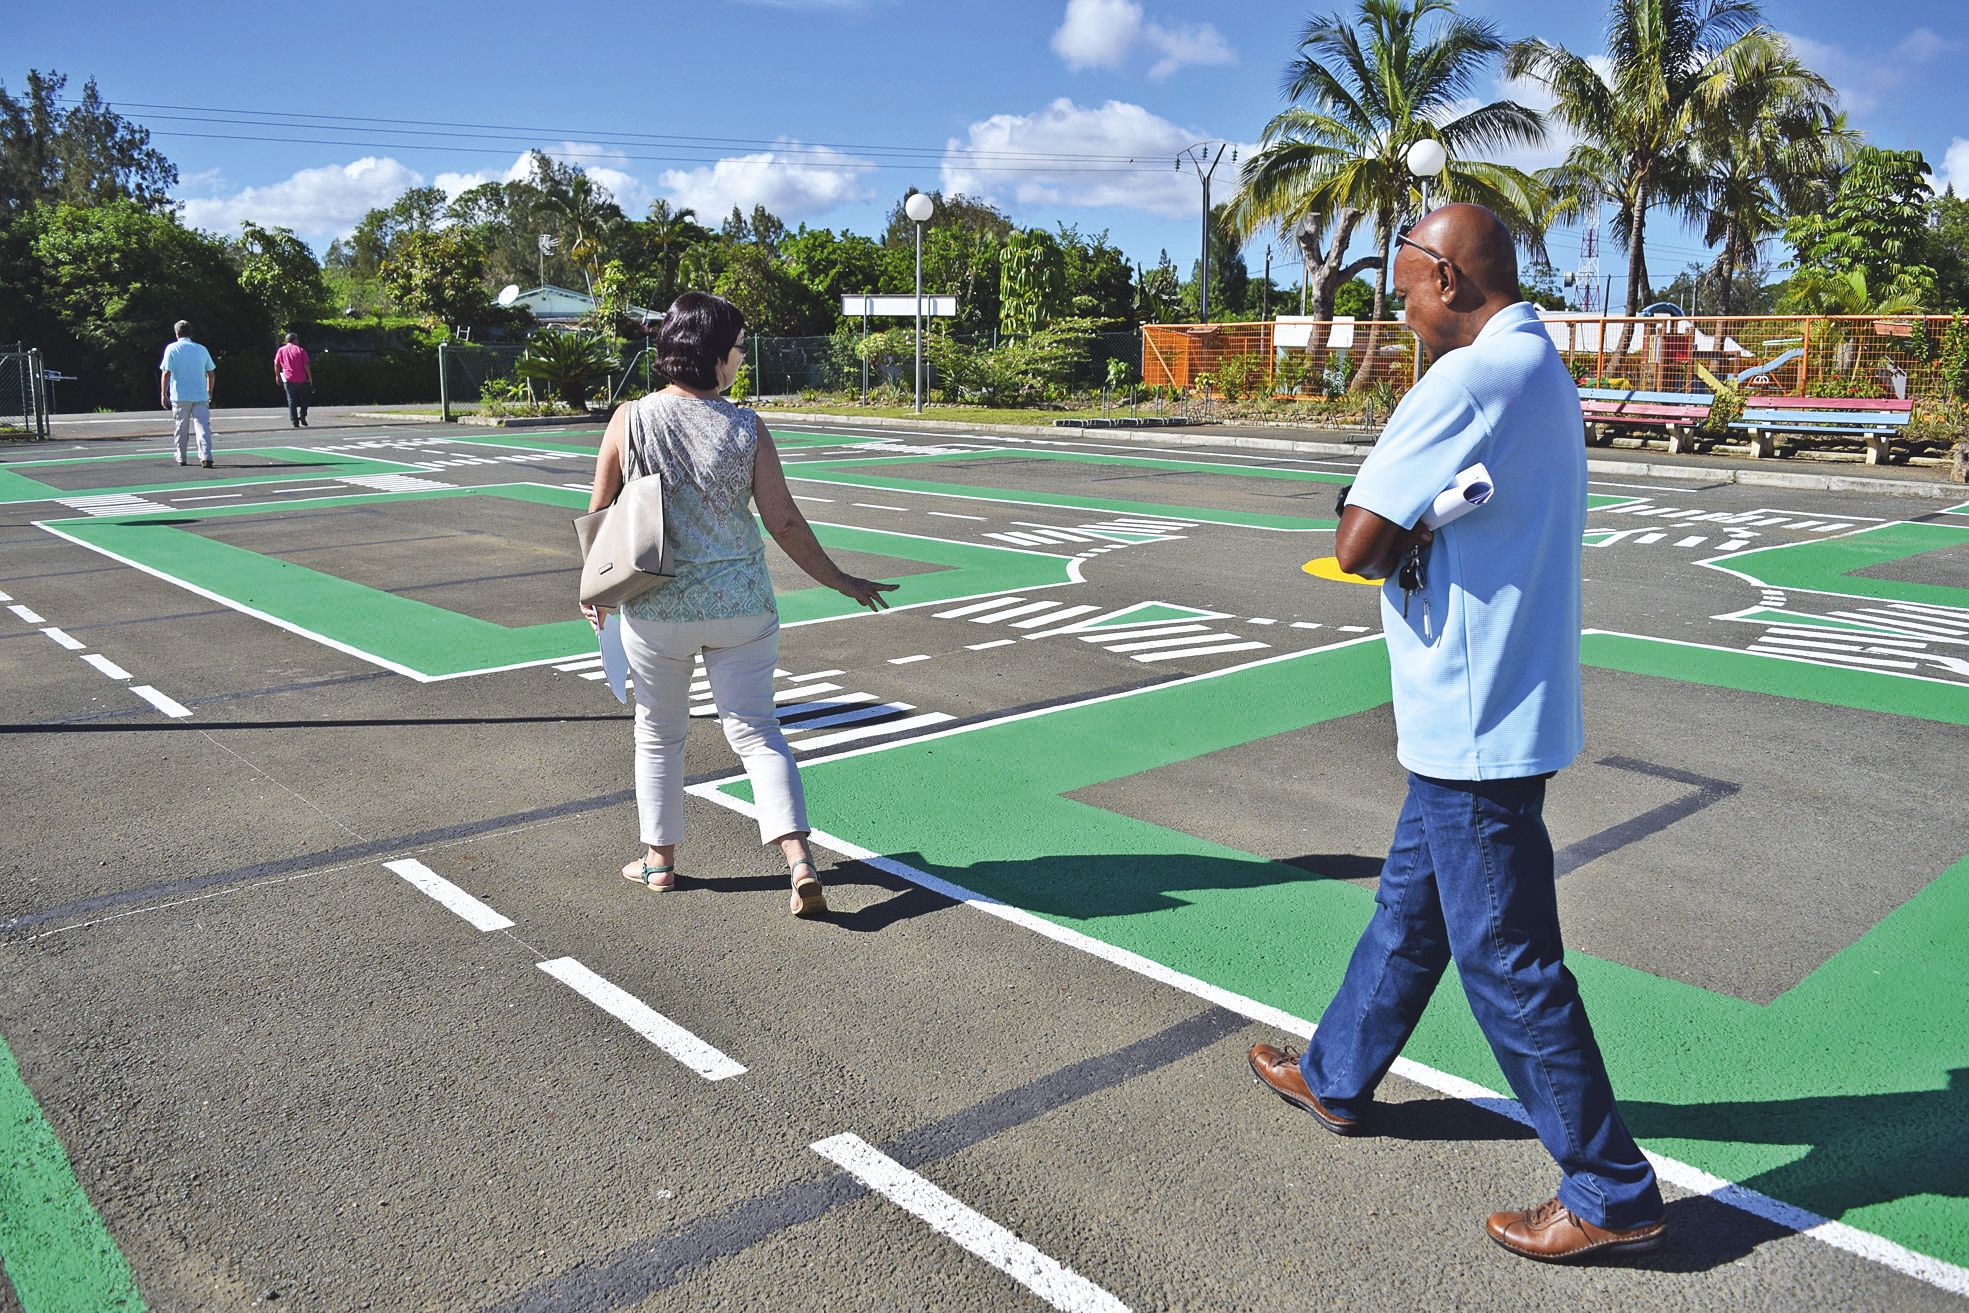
(1305, 624)
(1036, 621)
(981, 647)
(1028, 609)
(71, 644)
(1693, 540)
(214, 496)
(976, 607)
(818, 707)
(1354, 629)
(1926, 623)
(104, 664)
(953, 515)
(1047, 1278)
(1199, 651)
(798, 497)
(1118, 633)
(872, 731)
(1874, 642)
(645, 1020)
(1650, 537)
(1836, 657)
(874, 506)
(848, 717)
(805, 691)
(6, 597)
(801, 679)
(1734, 545)
(586, 663)
(1020, 539)
(174, 709)
(421, 877)
(1260, 620)
(1148, 644)
(903, 661)
(27, 615)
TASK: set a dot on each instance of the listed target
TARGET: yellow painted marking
(1328, 567)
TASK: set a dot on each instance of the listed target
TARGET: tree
(1362, 94)
(109, 281)
(1948, 246)
(84, 154)
(1876, 225)
(1158, 292)
(1675, 67)
(833, 265)
(279, 271)
(1099, 281)
(1031, 282)
(440, 274)
(587, 214)
(1762, 161)
(670, 232)
(374, 241)
(776, 304)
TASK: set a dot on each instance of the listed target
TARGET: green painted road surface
(1846, 1096)
(17, 488)
(1837, 565)
(53, 1245)
(431, 642)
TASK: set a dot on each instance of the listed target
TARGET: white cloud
(1865, 80)
(1098, 33)
(1104, 33)
(1198, 43)
(1142, 178)
(794, 182)
(316, 203)
(1954, 170)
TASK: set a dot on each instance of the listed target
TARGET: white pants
(187, 416)
(739, 656)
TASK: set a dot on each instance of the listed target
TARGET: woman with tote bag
(716, 461)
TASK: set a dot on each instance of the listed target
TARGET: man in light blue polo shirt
(184, 387)
(1483, 648)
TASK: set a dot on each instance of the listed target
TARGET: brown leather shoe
(1551, 1233)
(1279, 1070)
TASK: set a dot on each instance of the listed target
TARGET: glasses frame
(1403, 239)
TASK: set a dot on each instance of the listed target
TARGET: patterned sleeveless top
(703, 452)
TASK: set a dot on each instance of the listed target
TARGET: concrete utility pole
(1195, 155)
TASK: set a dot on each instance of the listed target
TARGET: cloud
(1198, 43)
(1104, 33)
(1865, 80)
(794, 182)
(1954, 170)
(1142, 177)
(316, 203)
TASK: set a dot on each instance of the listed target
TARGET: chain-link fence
(23, 393)
(954, 367)
(469, 371)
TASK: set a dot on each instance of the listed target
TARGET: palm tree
(1361, 94)
(1676, 67)
(588, 217)
(1762, 164)
(672, 232)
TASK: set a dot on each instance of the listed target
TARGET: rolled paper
(1471, 490)
(615, 661)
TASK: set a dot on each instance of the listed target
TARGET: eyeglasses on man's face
(1430, 251)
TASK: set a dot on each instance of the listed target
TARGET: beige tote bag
(622, 550)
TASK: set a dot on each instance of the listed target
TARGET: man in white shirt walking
(184, 387)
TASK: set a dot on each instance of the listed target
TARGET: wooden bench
(1765, 419)
(1874, 421)
(1679, 414)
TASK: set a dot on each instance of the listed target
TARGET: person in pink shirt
(291, 371)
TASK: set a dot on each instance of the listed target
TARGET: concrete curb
(1757, 478)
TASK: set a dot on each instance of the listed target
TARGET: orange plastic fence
(1777, 355)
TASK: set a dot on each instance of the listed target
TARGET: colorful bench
(1766, 419)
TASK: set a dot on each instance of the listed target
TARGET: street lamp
(919, 208)
(1426, 159)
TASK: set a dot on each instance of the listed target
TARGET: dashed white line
(873, 731)
(903, 661)
(71, 644)
(1214, 650)
(876, 506)
(991, 604)
(645, 1020)
(29, 616)
(104, 664)
(423, 878)
(169, 706)
(1045, 1277)
(1353, 629)
(953, 515)
(980, 647)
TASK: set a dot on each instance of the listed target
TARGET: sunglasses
(1430, 251)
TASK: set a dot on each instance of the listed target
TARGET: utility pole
(1196, 154)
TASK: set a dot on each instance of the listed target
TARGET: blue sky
(824, 110)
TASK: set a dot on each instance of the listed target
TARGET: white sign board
(937, 307)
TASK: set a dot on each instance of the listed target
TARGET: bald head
(1477, 242)
(1468, 274)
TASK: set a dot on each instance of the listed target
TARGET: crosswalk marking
(1250, 645)
(991, 604)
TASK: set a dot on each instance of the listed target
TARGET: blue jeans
(1469, 876)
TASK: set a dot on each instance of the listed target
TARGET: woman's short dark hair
(697, 335)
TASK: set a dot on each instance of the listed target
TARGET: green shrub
(567, 363)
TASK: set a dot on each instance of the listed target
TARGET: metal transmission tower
(1587, 275)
